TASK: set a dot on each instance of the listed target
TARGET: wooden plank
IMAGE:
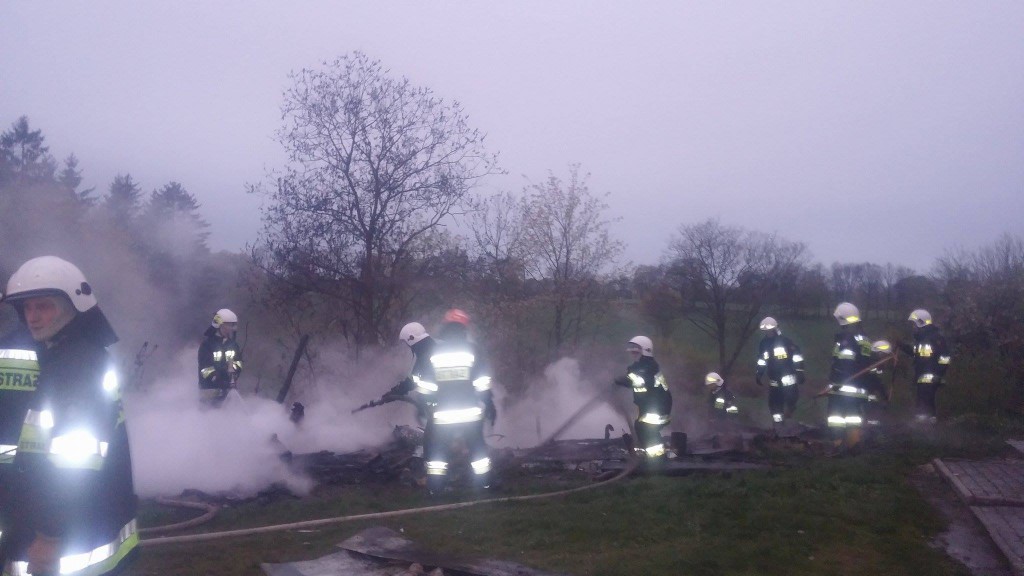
(997, 483)
(953, 477)
(1005, 526)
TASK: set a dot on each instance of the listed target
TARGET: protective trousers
(442, 444)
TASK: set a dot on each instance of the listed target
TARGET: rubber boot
(435, 484)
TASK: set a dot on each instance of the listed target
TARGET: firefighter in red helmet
(458, 389)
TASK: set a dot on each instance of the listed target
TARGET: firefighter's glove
(403, 387)
(623, 381)
(490, 413)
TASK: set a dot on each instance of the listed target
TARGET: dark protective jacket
(650, 390)
(458, 380)
(73, 463)
(19, 371)
(216, 356)
(780, 360)
(931, 355)
(851, 355)
(723, 400)
(421, 367)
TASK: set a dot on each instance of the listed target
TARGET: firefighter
(847, 394)
(931, 360)
(457, 392)
(19, 371)
(75, 507)
(874, 385)
(721, 402)
(651, 396)
(220, 359)
(422, 346)
(780, 361)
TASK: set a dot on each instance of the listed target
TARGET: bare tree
(499, 240)
(375, 165)
(569, 245)
(730, 274)
(983, 316)
(892, 274)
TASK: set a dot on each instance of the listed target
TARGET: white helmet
(769, 323)
(846, 313)
(881, 346)
(224, 316)
(920, 318)
(412, 333)
(713, 379)
(645, 344)
(49, 276)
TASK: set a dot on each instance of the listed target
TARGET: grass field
(807, 515)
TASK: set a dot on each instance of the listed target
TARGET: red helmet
(456, 315)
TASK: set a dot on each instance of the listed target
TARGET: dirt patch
(965, 539)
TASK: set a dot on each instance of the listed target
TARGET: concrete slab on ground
(380, 551)
(986, 482)
(1005, 524)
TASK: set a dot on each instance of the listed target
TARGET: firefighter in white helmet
(931, 354)
(421, 344)
(651, 396)
(19, 373)
(780, 362)
(220, 358)
(74, 506)
(721, 401)
(847, 392)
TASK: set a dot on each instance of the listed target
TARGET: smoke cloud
(178, 444)
(552, 400)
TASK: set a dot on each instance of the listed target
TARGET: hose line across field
(632, 465)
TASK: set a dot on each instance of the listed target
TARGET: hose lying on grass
(210, 512)
(632, 465)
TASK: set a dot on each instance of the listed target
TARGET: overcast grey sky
(877, 131)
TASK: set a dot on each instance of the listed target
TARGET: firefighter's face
(227, 329)
(46, 315)
(634, 352)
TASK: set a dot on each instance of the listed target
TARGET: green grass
(808, 515)
(805, 516)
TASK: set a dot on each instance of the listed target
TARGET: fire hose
(631, 466)
(889, 358)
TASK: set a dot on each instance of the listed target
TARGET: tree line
(375, 221)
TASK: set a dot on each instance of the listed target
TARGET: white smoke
(552, 400)
(176, 444)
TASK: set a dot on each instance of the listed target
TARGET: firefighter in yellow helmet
(780, 362)
(847, 390)
(220, 358)
(931, 354)
(75, 507)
